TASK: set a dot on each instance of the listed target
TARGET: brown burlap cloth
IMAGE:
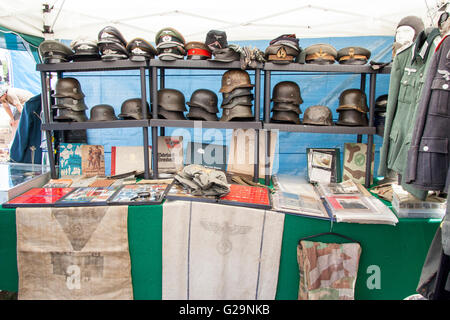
(73, 253)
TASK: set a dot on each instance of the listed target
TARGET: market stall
(217, 170)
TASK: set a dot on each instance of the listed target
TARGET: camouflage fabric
(327, 270)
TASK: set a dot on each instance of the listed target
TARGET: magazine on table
(139, 194)
(293, 194)
(87, 196)
(323, 165)
(349, 201)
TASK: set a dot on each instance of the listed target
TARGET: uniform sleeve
(394, 86)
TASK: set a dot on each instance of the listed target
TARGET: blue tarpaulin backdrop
(316, 88)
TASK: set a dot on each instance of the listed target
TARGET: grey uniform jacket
(428, 156)
(406, 83)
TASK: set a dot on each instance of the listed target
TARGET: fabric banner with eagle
(73, 253)
(220, 252)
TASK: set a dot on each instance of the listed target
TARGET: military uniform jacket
(428, 157)
(406, 82)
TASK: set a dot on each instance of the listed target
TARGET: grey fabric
(202, 181)
(428, 156)
(440, 243)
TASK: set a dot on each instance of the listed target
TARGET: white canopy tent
(241, 20)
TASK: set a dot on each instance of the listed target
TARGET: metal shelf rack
(370, 130)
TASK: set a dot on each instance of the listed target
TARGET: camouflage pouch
(327, 270)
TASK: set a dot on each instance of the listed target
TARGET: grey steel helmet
(287, 91)
(284, 106)
(65, 114)
(205, 99)
(75, 105)
(353, 99)
(318, 115)
(381, 103)
(171, 100)
(238, 112)
(243, 101)
(239, 92)
(198, 113)
(102, 112)
(68, 88)
(132, 109)
(52, 51)
(233, 79)
(171, 115)
(285, 117)
(352, 117)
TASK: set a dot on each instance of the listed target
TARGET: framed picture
(324, 165)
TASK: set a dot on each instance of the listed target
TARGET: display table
(389, 268)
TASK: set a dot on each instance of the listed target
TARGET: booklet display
(87, 197)
(139, 194)
(247, 196)
(38, 197)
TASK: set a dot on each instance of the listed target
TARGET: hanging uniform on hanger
(407, 78)
(428, 156)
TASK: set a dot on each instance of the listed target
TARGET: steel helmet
(52, 51)
(285, 116)
(239, 92)
(171, 115)
(287, 91)
(243, 101)
(318, 115)
(68, 88)
(171, 100)
(197, 113)
(353, 99)
(69, 103)
(284, 106)
(102, 112)
(140, 50)
(352, 117)
(132, 109)
(381, 103)
(233, 79)
(65, 114)
(238, 112)
(205, 99)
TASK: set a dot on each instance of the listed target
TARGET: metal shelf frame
(158, 65)
(48, 125)
(156, 70)
(370, 130)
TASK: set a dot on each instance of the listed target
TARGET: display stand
(156, 65)
(369, 130)
(48, 125)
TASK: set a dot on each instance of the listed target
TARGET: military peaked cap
(320, 53)
(353, 55)
(197, 51)
(140, 50)
(53, 51)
